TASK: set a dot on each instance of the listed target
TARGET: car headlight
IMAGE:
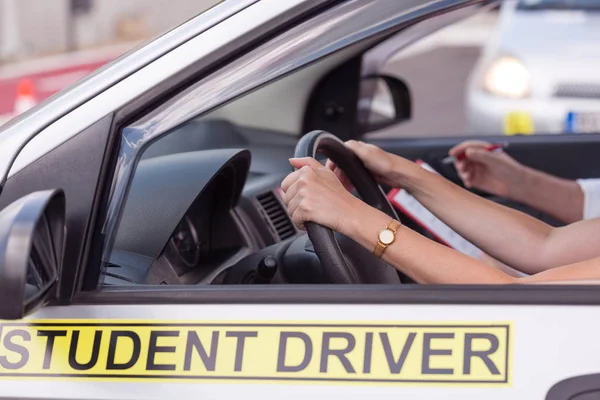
(507, 77)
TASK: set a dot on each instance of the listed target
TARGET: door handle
(583, 387)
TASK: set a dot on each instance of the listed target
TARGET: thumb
(359, 148)
(304, 162)
(479, 155)
(464, 146)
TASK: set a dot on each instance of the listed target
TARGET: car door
(140, 341)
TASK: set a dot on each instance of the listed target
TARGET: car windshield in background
(593, 5)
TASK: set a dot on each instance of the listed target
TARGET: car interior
(205, 207)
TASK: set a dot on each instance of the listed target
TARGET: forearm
(557, 197)
(429, 262)
(423, 260)
(506, 234)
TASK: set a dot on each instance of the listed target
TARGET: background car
(539, 71)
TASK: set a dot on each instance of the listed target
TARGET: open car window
(205, 194)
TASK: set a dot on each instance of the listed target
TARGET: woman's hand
(385, 167)
(493, 172)
(314, 194)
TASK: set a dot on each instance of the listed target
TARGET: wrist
(525, 180)
(365, 226)
(406, 174)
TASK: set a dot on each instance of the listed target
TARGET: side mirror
(384, 101)
(32, 237)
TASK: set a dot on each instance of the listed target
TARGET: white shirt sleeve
(591, 196)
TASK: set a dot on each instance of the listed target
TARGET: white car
(539, 73)
(145, 252)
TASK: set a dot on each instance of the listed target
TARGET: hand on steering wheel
(330, 205)
(314, 193)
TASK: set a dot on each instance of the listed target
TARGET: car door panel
(520, 361)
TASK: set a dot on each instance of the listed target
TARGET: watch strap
(380, 247)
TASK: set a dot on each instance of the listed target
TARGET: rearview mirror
(383, 101)
(32, 237)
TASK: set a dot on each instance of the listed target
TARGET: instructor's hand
(314, 194)
(493, 172)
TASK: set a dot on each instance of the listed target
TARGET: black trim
(566, 295)
(332, 104)
(74, 167)
(571, 388)
(93, 245)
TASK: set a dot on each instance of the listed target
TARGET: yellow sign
(353, 353)
(518, 123)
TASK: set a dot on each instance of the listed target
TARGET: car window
(205, 193)
(529, 67)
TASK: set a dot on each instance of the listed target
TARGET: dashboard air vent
(277, 214)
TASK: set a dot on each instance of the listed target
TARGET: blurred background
(46, 45)
(529, 67)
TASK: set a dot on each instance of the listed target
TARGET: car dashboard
(190, 215)
(209, 239)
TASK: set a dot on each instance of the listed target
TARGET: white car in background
(540, 71)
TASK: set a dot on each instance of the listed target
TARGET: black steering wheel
(360, 266)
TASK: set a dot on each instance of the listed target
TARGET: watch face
(386, 236)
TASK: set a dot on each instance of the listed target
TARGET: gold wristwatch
(386, 237)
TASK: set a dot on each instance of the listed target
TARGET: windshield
(559, 5)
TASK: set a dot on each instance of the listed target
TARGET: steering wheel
(360, 266)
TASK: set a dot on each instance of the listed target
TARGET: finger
(344, 180)
(330, 165)
(290, 193)
(290, 179)
(305, 162)
(293, 204)
(296, 213)
(462, 164)
(479, 155)
(462, 147)
(340, 175)
(467, 176)
(297, 220)
(465, 172)
(359, 148)
(461, 167)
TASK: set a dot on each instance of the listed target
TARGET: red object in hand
(462, 156)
